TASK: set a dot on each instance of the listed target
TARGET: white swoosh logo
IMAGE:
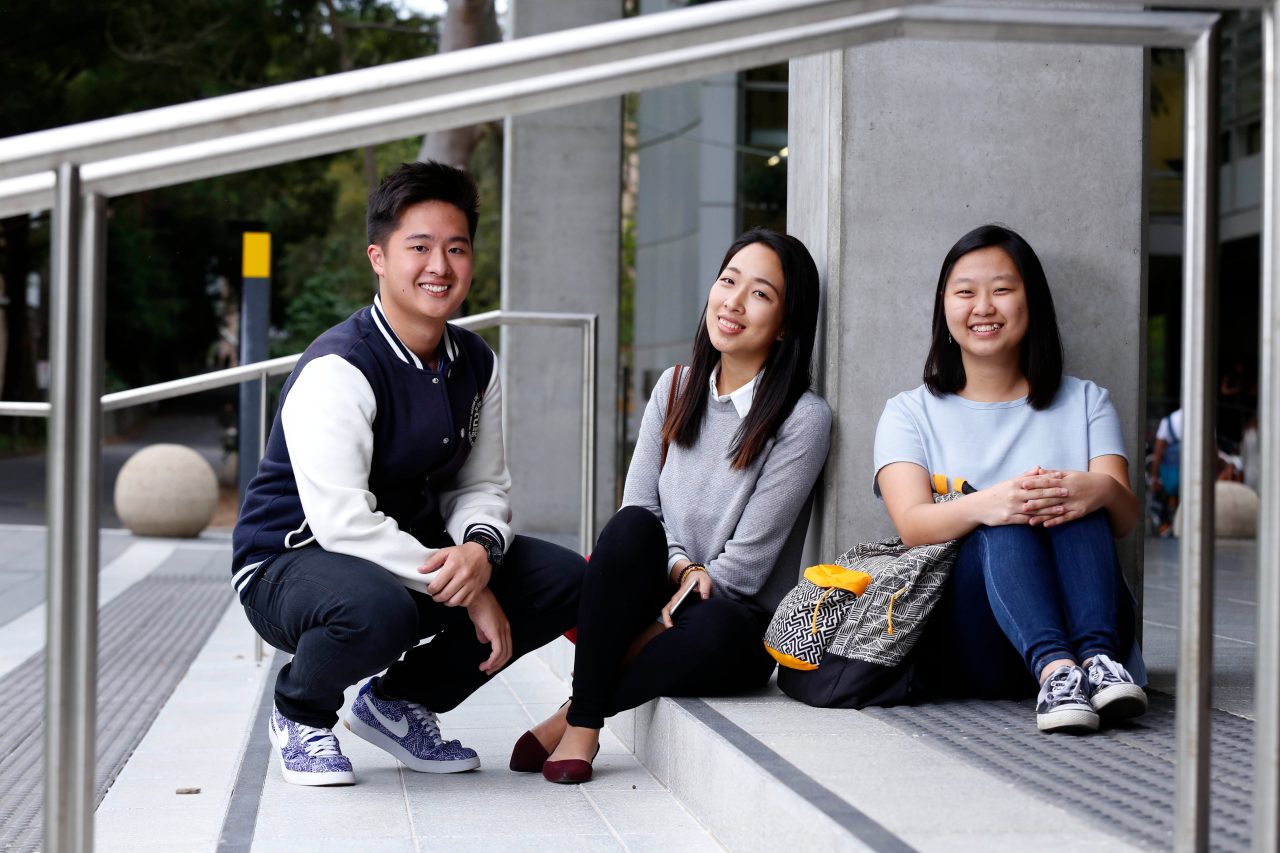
(399, 727)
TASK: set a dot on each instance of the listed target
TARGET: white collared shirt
(740, 398)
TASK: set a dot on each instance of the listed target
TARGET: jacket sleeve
(646, 463)
(477, 497)
(328, 428)
(795, 460)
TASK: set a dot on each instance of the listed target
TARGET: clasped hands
(1042, 497)
(461, 579)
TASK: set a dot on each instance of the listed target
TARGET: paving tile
(339, 844)
(621, 772)
(642, 812)
(484, 717)
(547, 811)
(145, 843)
(598, 843)
(165, 825)
(313, 816)
(670, 842)
(551, 691)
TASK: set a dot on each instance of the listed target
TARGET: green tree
(66, 62)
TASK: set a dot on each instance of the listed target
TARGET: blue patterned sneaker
(409, 732)
(1063, 703)
(1112, 691)
(308, 755)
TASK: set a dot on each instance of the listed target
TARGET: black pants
(716, 646)
(344, 619)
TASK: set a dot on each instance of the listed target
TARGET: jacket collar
(398, 346)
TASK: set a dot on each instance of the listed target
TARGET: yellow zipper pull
(892, 599)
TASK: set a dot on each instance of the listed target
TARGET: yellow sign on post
(257, 255)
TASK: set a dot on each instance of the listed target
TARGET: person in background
(1166, 468)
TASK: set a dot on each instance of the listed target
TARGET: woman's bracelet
(692, 567)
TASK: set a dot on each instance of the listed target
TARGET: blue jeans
(1020, 597)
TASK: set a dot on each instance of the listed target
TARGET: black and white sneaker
(1063, 703)
(1112, 691)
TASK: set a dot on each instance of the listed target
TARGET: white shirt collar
(741, 398)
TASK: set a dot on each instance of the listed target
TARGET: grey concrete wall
(686, 216)
(561, 239)
(898, 149)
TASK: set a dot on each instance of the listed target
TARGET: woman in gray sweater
(715, 508)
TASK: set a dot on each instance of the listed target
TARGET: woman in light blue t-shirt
(1036, 590)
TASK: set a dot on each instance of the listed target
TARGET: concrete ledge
(766, 772)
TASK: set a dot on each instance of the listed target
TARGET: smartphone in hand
(688, 598)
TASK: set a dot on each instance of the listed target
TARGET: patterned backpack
(809, 616)
(866, 658)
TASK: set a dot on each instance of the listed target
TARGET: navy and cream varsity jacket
(373, 454)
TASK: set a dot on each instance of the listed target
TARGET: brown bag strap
(671, 405)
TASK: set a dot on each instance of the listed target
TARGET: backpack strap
(671, 405)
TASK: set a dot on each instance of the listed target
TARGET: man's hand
(461, 573)
(493, 628)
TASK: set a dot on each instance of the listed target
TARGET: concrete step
(765, 772)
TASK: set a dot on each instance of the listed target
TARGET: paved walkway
(756, 772)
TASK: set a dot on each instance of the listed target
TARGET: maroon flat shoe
(572, 771)
(528, 755)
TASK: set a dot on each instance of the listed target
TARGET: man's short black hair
(414, 183)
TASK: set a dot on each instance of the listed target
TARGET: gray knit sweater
(747, 526)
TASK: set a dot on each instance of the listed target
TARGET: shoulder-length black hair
(786, 370)
(1041, 351)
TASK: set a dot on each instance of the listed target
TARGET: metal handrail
(77, 272)
(263, 370)
(354, 91)
(472, 99)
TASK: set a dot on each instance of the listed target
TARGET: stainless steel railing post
(264, 421)
(73, 453)
(586, 521)
(1199, 453)
(1266, 695)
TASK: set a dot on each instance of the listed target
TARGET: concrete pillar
(560, 249)
(898, 149)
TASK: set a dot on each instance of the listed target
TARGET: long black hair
(787, 369)
(1040, 354)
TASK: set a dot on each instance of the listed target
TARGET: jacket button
(435, 380)
(446, 440)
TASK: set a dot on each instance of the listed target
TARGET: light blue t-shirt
(987, 443)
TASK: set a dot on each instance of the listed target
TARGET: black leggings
(716, 646)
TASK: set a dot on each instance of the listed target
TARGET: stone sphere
(166, 490)
(1235, 513)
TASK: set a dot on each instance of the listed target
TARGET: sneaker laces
(1102, 666)
(318, 743)
(427, 719)
(1065, 685)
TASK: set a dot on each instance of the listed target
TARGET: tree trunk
(467, 23)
